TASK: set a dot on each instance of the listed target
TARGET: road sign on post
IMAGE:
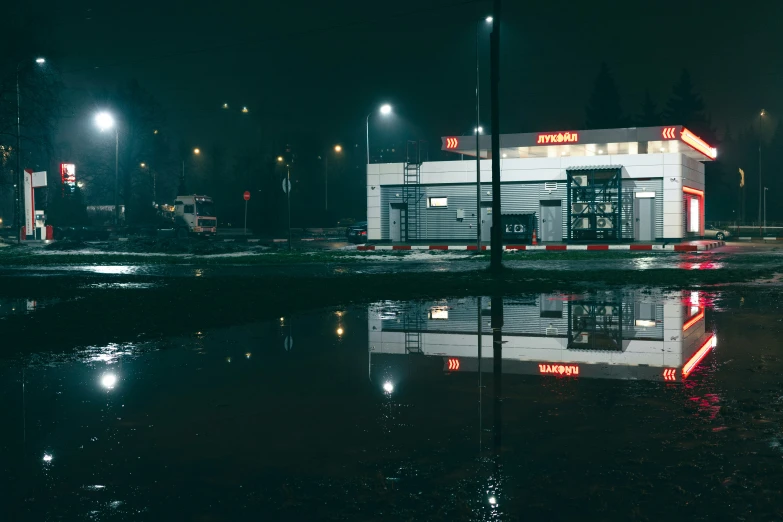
(246, 195)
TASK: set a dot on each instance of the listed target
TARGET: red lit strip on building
(698, 144)
(693, 320)
(693, 191)
(700, 354)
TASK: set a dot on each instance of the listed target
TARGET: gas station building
(612, 185)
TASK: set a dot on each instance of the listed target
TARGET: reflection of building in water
(606, 335)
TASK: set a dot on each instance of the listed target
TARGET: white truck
(192, 215)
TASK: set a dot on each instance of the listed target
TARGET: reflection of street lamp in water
(388, 387)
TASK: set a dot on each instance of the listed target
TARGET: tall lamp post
(384, 110)
(337, 149)
(182, 186)
(487, 20)
(761, 116)
(105, 121)
(19, 174)
(765, 209)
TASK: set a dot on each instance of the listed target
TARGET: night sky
(322, 66)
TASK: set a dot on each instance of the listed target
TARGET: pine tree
(604, 110)
(650, 116)
(686, 107)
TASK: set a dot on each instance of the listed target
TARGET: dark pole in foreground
(288, 194)
(496, 263)
(116, 176)
(19, 176)
(478, 153)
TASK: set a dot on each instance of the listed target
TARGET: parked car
(357, 233)
(720, 234)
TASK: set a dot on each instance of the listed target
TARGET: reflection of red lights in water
(700, 354)
(693, 320)
(708, 265)
(558, 369)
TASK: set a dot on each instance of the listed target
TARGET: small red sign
(452, 143)
(453, 364)
(247, 195)
(668, 133)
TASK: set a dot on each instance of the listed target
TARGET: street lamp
(280, 159)
(19, 173)
(761, 116)
(385, 110)
(765, 209)
(182, 187)
(105, 121)
(337, 149)
(478, 129)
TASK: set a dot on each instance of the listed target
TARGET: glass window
(437, 202)
(693, 215)
(205, 208)
(188, 209)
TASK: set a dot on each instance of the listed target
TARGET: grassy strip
(22, 258)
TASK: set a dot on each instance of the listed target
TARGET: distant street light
(182, 186)
(337, 149)
(225, 106)
(280, 159)
(761, 116)
(388, 387)
(105, 121)
(244, 109)
(18, 151)
(479, 130)
(385, 110)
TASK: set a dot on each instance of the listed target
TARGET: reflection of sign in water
(558, 369)
(289, 343)
(68, 175)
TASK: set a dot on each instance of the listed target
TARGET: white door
(394, 224)
(486, 222)
(644, 218)
(551, 221)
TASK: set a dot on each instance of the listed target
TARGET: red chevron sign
(669, 133)
(453, 364)
(452, 143)
(668, 374)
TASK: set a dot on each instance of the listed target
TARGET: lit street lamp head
(196, 151)
(478, 130)
(225, 106)
(386, 109)
(488, 19)
(142, 165)
(104, 120)
(40, 61)
(280, 160)
(338, 148)
(244, 109)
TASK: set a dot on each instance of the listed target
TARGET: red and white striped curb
(684, 247)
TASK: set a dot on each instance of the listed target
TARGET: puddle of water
(608, 405)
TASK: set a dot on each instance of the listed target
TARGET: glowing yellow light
(280, 158)
(225, 106)
(142, 165)
(340, 331)
(338, 148)
(196, 151)
(244, 109)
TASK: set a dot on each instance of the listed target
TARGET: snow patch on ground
(94, 252)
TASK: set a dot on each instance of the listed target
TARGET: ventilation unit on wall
(582, 339)
(604, 310)
(550, 186)
(606, 208)
(582, 223)
(580, 180)
(580, 208)
(603, 223)
(580, 311)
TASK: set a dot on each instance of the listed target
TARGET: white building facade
(624, 185)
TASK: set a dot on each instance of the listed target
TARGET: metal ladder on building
(412, 325)
(411, 189)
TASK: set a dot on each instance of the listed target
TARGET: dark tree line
(726, 201)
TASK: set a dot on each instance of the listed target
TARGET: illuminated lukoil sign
(554, 138)
(558, 369)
